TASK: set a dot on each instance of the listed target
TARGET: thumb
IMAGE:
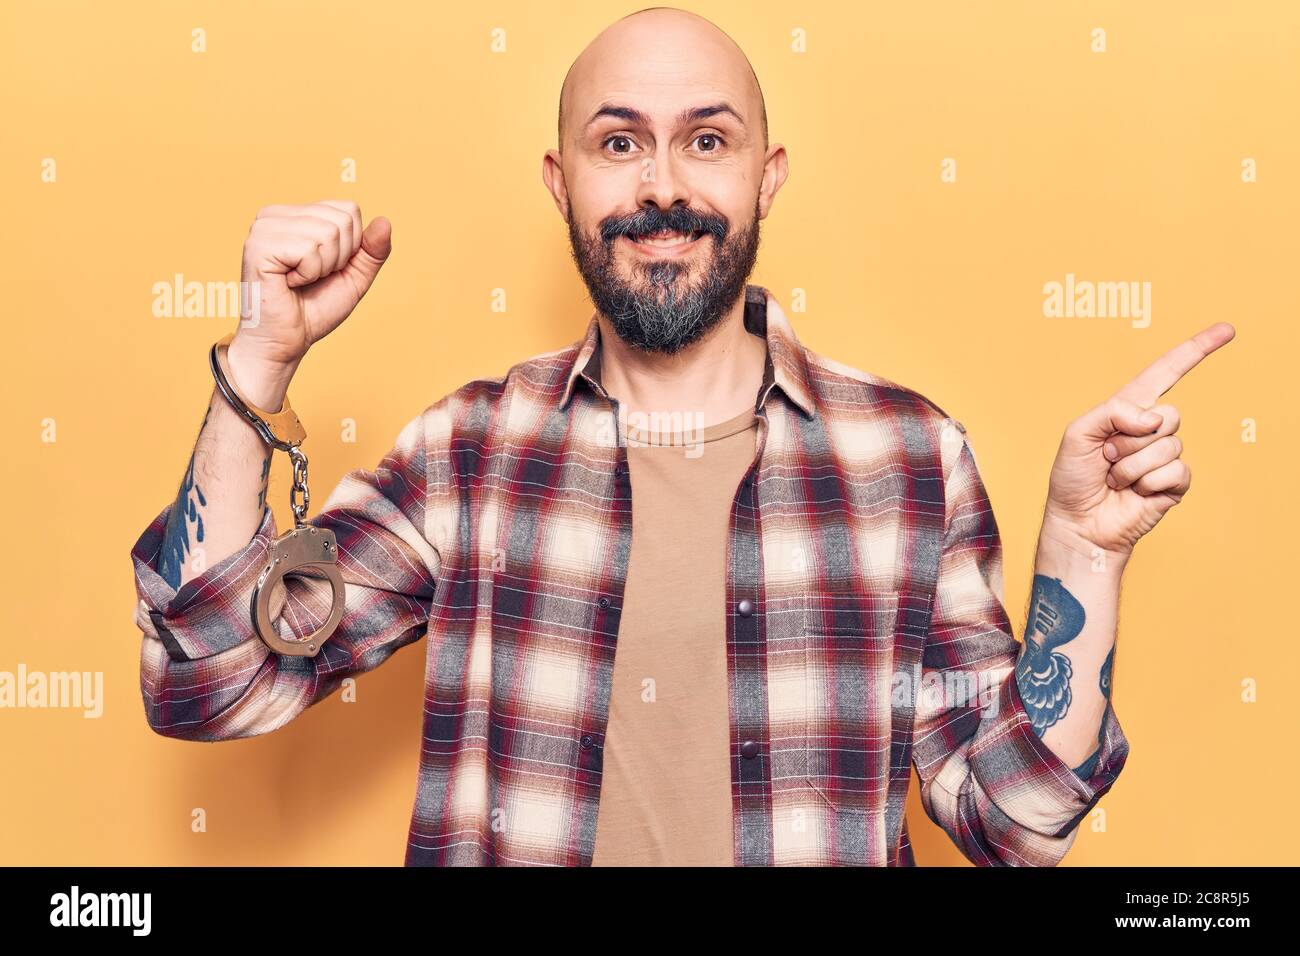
(376, 244)
(1118, 414)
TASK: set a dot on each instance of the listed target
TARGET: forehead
(660, 71)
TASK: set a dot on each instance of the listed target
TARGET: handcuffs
(304, 547)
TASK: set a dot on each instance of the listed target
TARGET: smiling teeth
(676, 239)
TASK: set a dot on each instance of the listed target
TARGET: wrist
(261, 382)
(1063, 548)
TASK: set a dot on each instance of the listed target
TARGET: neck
(718, 376)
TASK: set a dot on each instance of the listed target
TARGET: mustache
(652, 219)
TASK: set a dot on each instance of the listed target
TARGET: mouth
(665, 240)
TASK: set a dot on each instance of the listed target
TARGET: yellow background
(1115, 166)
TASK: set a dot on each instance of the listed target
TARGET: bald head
(657, 52)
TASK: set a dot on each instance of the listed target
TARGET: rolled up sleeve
(205, 675)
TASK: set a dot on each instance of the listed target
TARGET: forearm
(1071, 628)
(222, 494)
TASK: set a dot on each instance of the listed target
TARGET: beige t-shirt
(666, 791)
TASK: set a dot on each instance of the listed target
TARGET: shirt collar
(786, 366)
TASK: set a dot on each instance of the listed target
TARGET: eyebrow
(638, 118)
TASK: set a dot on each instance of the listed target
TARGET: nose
(662, 182)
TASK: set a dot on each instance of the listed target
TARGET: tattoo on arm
(1042, 672)
(185, 512)
(266, 471)
(1087, 768)
(1103, 681)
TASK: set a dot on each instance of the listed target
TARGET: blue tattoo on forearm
(1042, 673)
(1089, 766)
(176, 535)
(266, 470)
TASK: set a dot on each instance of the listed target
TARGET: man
(795, 561)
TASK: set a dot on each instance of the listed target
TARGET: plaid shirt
(865, 627)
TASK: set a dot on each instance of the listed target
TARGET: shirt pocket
(849, 663)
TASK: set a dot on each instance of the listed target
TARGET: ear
(776, 169)
(553, 178)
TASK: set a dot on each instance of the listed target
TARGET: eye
(713, 140)
(619, 138)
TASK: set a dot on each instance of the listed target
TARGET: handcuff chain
(299, 485)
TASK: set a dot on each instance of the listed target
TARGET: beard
(661, 309)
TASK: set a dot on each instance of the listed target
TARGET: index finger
(1162, 374)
